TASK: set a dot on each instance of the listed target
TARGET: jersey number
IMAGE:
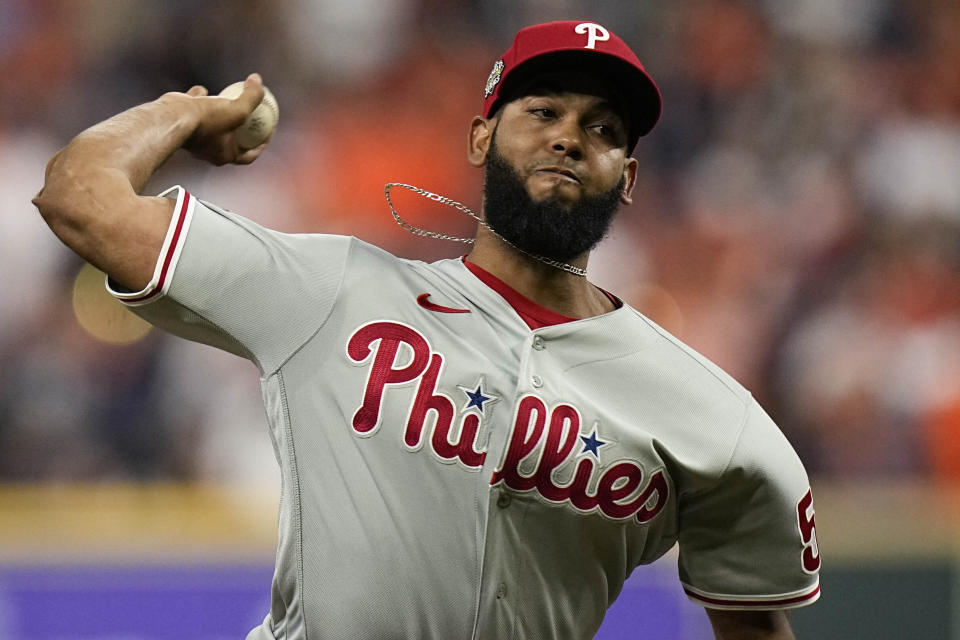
(808, 533)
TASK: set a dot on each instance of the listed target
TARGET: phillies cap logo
(594, 32)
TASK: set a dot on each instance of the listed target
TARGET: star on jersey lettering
(477, 398)
(592, 443)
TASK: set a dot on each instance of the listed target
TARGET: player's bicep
(106, 223)
(127, 251)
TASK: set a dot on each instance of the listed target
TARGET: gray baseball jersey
(449, 472)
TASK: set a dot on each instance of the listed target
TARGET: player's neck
(565, 293)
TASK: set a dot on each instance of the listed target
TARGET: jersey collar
(536, 316)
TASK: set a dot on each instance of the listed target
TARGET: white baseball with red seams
(262, 120)
(450, 472)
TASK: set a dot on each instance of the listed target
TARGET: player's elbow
(50, 208)
(54, 199)
(61, 203)
(55, 206)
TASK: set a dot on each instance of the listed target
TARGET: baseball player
(480, 447)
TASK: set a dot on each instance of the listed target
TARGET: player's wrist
(181, 114)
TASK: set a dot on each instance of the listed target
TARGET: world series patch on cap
(553, 46)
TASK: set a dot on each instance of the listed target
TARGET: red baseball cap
(553, 46)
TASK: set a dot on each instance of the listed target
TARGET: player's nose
(566, 138)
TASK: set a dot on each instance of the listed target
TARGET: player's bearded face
(548, 228)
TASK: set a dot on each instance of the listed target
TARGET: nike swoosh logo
(424, 301)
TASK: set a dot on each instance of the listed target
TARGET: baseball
(260, 123)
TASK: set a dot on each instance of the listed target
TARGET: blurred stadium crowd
(797, 218)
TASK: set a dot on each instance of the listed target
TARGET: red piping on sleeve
(171, 250)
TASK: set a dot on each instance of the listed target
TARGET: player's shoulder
(703, 410)
(672, 353)
(308, 248)
(370, 268)
(302, 243)
(373, 259)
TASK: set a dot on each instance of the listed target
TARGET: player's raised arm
(91, 194)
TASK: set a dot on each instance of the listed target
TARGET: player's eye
(608, 131)
(605, 129)
(545, 113)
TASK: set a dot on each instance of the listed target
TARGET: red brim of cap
(637, 88)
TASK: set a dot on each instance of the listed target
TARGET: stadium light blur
(100, 314)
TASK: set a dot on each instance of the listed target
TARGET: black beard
(548, 229)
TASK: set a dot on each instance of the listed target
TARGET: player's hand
(214, 138)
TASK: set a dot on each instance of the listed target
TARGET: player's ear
(630, 167)
(478, 142)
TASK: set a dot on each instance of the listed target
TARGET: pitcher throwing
(483, 447)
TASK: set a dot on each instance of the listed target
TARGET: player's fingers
(250, 155)
(252, 93)
(197, 91)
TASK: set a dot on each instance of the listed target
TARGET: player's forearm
(116, 156)
(90, 194)
(750, 625)
(90, 198)
(754, 634)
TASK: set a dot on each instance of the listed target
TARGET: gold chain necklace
(563, 266)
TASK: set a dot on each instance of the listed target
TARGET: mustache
(563, 168)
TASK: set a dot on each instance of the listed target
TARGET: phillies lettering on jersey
(426, 365)
(616, 490)
(399, 354)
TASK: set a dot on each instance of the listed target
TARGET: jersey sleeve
(226, 281)
(749, 542)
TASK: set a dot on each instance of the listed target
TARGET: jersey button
(538, 343)
(502, 590)
(504, 500)
(536, 381)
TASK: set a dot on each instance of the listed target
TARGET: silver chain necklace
(417, 231)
